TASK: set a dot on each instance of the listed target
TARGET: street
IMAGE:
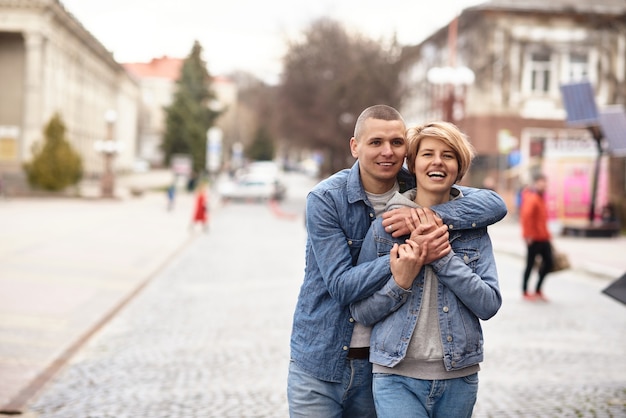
(563, 358)
(208, 335)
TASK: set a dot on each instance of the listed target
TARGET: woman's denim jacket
(468, 290)
(338, 216)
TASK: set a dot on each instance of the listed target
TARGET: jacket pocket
(466, 246)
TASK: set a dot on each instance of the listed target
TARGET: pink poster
(570, 187)
(576, 191)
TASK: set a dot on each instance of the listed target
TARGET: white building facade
(521, 53)
(49, 63)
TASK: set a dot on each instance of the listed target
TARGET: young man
(534, 220)
(330, 374)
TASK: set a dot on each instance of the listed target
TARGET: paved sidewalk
(67, 265)
(209, 337)
(601, 257)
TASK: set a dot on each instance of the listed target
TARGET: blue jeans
(405, 397)
(313, 398)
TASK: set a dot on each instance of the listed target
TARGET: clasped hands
(428, 242)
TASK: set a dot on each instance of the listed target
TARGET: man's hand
(406, 261)
(428, 231)
(394, 221)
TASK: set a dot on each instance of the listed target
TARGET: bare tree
(328, 79)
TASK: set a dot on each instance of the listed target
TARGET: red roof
(164, 67)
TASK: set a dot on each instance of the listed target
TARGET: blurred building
(50, 63)
(230, 121)
(157, 82)
(520, 52)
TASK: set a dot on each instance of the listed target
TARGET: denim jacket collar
(355, 189)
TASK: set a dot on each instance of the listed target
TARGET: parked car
(258, 181)
(262, 168)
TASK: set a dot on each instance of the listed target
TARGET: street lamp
(452, 83)
(108, 148)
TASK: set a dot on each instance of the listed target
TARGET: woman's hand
(428, 231)
(394, 221)
(423, 221)
(406, 261)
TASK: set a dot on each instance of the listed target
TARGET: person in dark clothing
(534, 221)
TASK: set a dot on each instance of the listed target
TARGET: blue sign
(515, 157)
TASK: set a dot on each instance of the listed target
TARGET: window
(540, 72)
(578, 67)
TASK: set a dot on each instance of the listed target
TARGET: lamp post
(108, 148)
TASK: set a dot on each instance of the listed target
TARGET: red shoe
(527, 296)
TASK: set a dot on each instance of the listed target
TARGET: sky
(248, 35)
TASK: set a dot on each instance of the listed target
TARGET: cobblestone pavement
(65, 267)
(209, 336)
(563, 358)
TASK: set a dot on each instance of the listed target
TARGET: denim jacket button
(349, 242)
(450, 226)
(371, 215)
(345, 348)
(466, 259)
(446, 309)
(473, 224)
(449, 338)
(351, 319)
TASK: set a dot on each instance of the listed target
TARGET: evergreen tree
(56, 165)
(262, 147)
(189, 117)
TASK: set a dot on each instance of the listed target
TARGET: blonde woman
(427, 342)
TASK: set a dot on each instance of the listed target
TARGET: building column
(620, 59)
(33, 92)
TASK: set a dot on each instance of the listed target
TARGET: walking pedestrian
(171, 196)
(329, 372)
(427, 342)
(201, 208)
(534, 222)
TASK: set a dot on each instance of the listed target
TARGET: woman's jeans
(313, 398)
(405, 397)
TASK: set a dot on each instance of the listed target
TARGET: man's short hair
(382, 112)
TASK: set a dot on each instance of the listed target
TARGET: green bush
(55, 165)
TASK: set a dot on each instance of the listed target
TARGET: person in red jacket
(534, 221)
(201, 209)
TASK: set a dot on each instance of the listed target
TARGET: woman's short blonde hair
(450, 135)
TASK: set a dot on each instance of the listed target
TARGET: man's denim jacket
(338, 215)
(468, 290)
